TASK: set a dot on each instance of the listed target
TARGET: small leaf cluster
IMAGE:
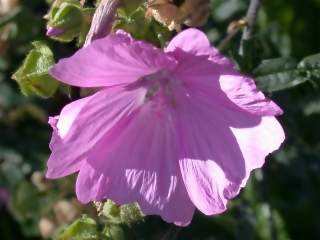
(283, 73)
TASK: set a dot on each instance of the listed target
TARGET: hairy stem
(102, 20)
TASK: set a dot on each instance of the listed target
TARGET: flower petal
(140, 165)
(57, 164)
(195, 42)
(83, 123)
(211, 162)
(223, 84)
(258, 142)
(242, 91)
(215, 160)
(113, 60)
(202, 64)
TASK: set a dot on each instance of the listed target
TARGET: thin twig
(227, 39)
(250, 18)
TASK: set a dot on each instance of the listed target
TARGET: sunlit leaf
(278, 74)
(32, 76)
(84, 228)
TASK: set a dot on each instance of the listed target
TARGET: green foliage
(130, 6)
(278, 74)
(71, 19)
(26, 207)
(126, 213)
(141, 27)
(283, 73)
(279, 202)
(84, 228)
(32, 76)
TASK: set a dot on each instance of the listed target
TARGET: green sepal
(32, 76)
(126, 213)
(56, 5)
(84, 228)
(73, 19)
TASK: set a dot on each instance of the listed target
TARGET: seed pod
(174, 13)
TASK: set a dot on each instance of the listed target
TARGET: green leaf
(310, 62)
(310, 67)
(278, 74)
(84, 228)
(131, 5)
(32, 76)
(271, 66)
(141, 28)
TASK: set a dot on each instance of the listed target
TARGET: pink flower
(173, 130)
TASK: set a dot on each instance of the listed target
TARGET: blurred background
(281, 201)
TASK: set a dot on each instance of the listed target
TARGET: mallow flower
(174, 130)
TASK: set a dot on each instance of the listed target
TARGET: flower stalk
(103, 19)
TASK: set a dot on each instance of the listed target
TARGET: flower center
(160, 87)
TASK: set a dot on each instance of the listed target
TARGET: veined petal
(242, 91)
(210, 160)
(215, 160)
(195, 42)
(223, 84)
(113, 60)
(59, 164)
(83, 123)
(139, 164)
(203, 65)
(256, 143)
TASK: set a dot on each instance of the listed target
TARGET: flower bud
(68, 20)
(54, 31)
